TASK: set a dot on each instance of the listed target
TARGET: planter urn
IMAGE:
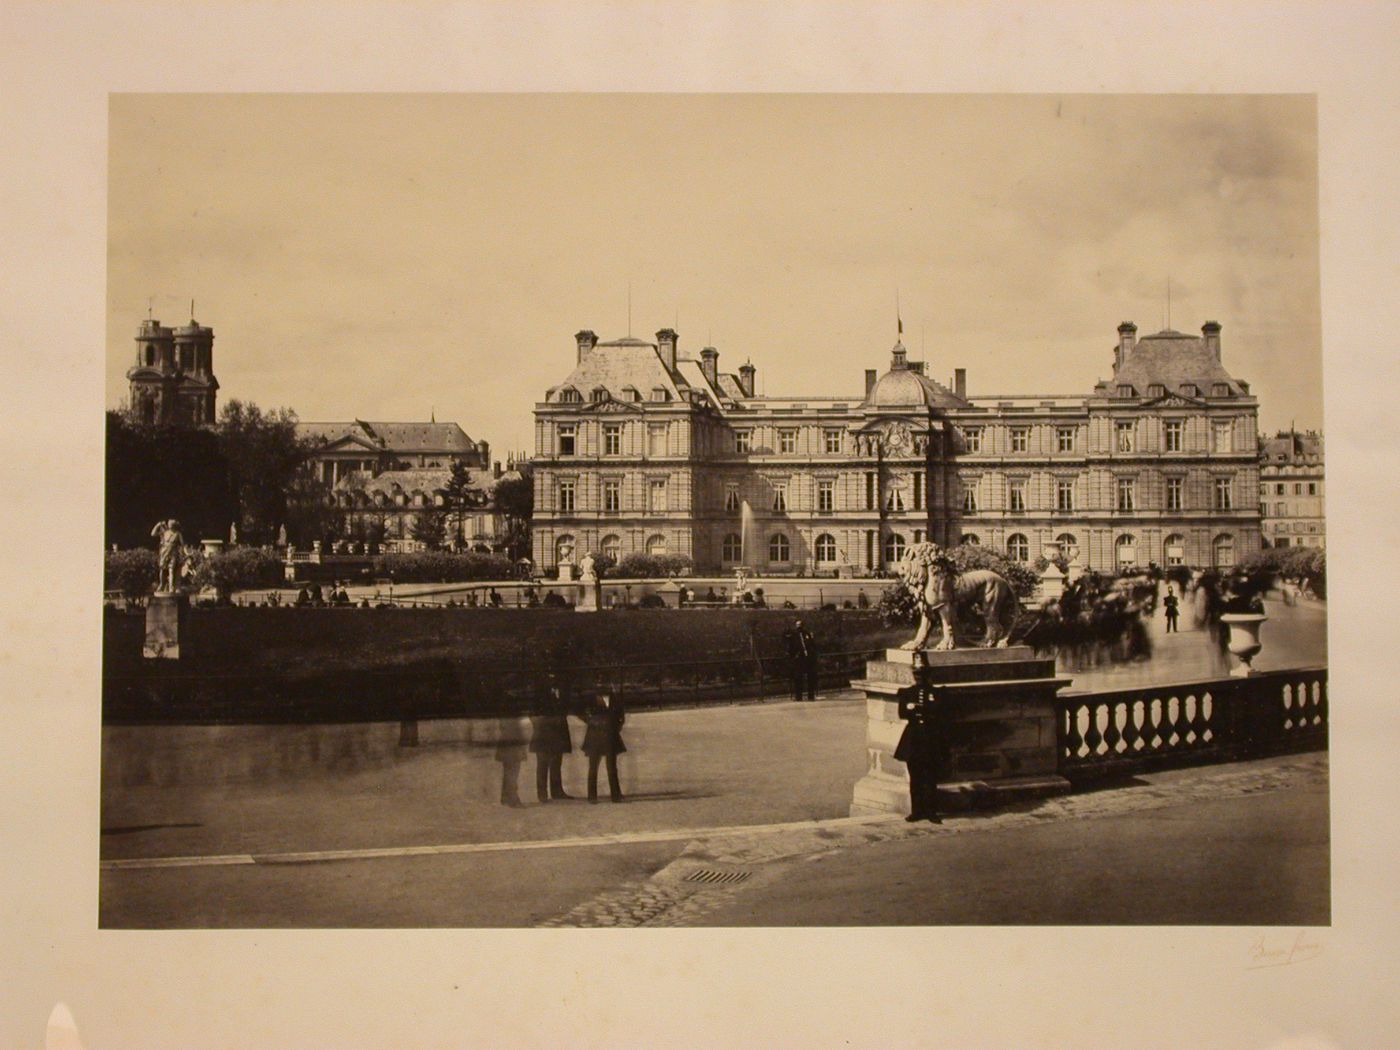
(1244, 639)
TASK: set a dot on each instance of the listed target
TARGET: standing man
(1171, 606)
(922, 747)
(602, 742)
(550, 740)
(802, 660)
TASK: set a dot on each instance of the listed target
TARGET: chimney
(746, 374)
(586, 342)
(709, 364)
(666, 343)
(1127, 339)
(1210, 331)
(496, 469)
(869, 382)
(917, 367)
(960, 382)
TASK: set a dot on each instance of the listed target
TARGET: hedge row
(443, 566)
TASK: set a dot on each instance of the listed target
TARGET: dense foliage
(238, 569)
(515, 499)
(898, 604)
(430, 528)
(651, 566)
(1299, 564)
(133, 572)
(441, 566)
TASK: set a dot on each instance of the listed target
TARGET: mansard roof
(1170, 358)
(618, 364)
(393, 437)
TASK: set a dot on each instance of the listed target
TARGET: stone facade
(173, 380)
(1291, 490)
(643, 449)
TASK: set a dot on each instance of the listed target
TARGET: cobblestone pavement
(692, 884)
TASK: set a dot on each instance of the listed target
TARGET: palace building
(1291, 496)
(173, 378)
(645, 449)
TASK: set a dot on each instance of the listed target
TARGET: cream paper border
(961, 987)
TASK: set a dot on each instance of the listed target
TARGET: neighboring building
(642, 449)
(383, 475)
(1291, 496)
(173, 378)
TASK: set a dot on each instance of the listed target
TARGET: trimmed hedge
(239, 569)
(133, 572)
(443, 567)
(650, 566)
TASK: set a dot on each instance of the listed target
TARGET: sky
(390, 256)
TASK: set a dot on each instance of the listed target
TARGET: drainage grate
(712, 876)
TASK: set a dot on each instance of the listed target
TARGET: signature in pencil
(1271, 950)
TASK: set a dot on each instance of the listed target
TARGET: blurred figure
(511, 736)
(922, 746)
(802, 660)
(603, 742)
(494, 599)
(550, 740)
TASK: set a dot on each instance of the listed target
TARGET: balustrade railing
(1214, 720)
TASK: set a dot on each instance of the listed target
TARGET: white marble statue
(170, 557)
(586, 568)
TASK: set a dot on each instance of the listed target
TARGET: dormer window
(659, 393)
(1190, 390)
(1156, 390)
(570, 396)
(631, 393)
(1126, 390)
(1220, 390)
(598, 394)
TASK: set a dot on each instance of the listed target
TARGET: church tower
(173, 379)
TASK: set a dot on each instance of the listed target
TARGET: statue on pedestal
(586, 569)
(929, 573)
(170, 557)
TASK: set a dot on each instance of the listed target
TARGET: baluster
(1111, 734)
(1072, 739)
(1203, 724)
(1320, 688)
(1130, 728)
(1171, 713)
(1092, 736)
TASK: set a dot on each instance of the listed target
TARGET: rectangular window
(1125, 436)
(1171, 430)
(1280, 510)
(612, 439)
(918, 491)
(1064, 439)
(787, 442)
(743, 441)
(1174, 487)
(1064, 495)
(1221, 437)
(568, 437)
(1127, 494)
(731, 497)
(1312, 488)
(1020, 439)
(894, 499)
(566, 497)
(656, 439)
(1223, 494)
(972, 436)
(1298, 489)
(832, 441)
(656, 495)
(612, 495)
(826, 495)
(870, 490)
(969, 503)
(780, 495)
(1016, 495)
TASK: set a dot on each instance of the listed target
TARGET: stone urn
(1244, 639)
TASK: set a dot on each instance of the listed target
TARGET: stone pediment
(1174, 400)
(349, 441)
(610, 407)
(895, 438)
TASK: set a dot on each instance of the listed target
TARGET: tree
(459, 496)
(265, 456)
(430, 528)
(515, 500)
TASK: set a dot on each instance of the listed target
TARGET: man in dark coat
(922, 748)
(603, 742)
(1172, 607)
(802, 660)
(550, 741)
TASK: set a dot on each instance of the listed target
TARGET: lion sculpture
(929, 574)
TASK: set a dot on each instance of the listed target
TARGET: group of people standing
(549, 739)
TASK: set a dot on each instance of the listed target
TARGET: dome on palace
(905, 386)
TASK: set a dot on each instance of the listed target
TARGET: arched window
(611, 547)
(971, 539)
(1069, 545)
(656, 545)
(826, 548)
(1174, 549)
(1224, 551)
(1125, 550)
(894, 548)
(779, 548)
(733, 547)
(1018, 548)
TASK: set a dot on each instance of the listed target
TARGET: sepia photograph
(714, 510)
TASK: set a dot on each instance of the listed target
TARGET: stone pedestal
(165, 619)
(566, 572)
(998, 716)
(590, 595)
